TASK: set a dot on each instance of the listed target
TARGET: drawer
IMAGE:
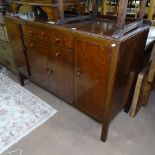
(50, 51)
(61, 40)
(36, 46)
(62, 55)
(49, 37)
(30, 32)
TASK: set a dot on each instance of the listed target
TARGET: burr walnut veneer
(80, 62)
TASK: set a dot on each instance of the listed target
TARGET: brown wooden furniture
(51, 7)
(89, 71)
(6, 56)
(89, 64)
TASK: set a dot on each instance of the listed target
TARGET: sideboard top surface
(98, 28)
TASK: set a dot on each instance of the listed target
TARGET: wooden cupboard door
(38, 68)
(37, 62)
(92, 69)
(62, 80)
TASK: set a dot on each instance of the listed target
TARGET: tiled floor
(71, 132)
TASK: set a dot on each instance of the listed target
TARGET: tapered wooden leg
(105, 126)
(21, 79)
(104, 133)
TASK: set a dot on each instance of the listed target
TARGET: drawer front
(50, 51)
(49, 37)
(61, 40)
(62, 55)
(29, 32)
(36, 46)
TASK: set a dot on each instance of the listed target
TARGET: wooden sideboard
(80, 62)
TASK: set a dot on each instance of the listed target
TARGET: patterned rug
(20, 112)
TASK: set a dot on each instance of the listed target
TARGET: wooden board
(135, 106)
(152, 68)
(146, 92)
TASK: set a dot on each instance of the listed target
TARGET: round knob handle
(43, 33)
(31, 33)
(78, 73)
(57, 40)
(32, 45)
(77, 70)
(49, 71)
(57, 54)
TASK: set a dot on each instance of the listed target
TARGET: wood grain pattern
(62, 80)
(92, 71)
(135, 107)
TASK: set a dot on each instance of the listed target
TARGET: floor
(71, 132)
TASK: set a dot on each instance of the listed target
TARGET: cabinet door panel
(38, 68)
(92, 68)
(37, 60)
(62, 82)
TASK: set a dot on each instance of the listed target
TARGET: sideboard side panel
(15, 38)
(131, 55)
